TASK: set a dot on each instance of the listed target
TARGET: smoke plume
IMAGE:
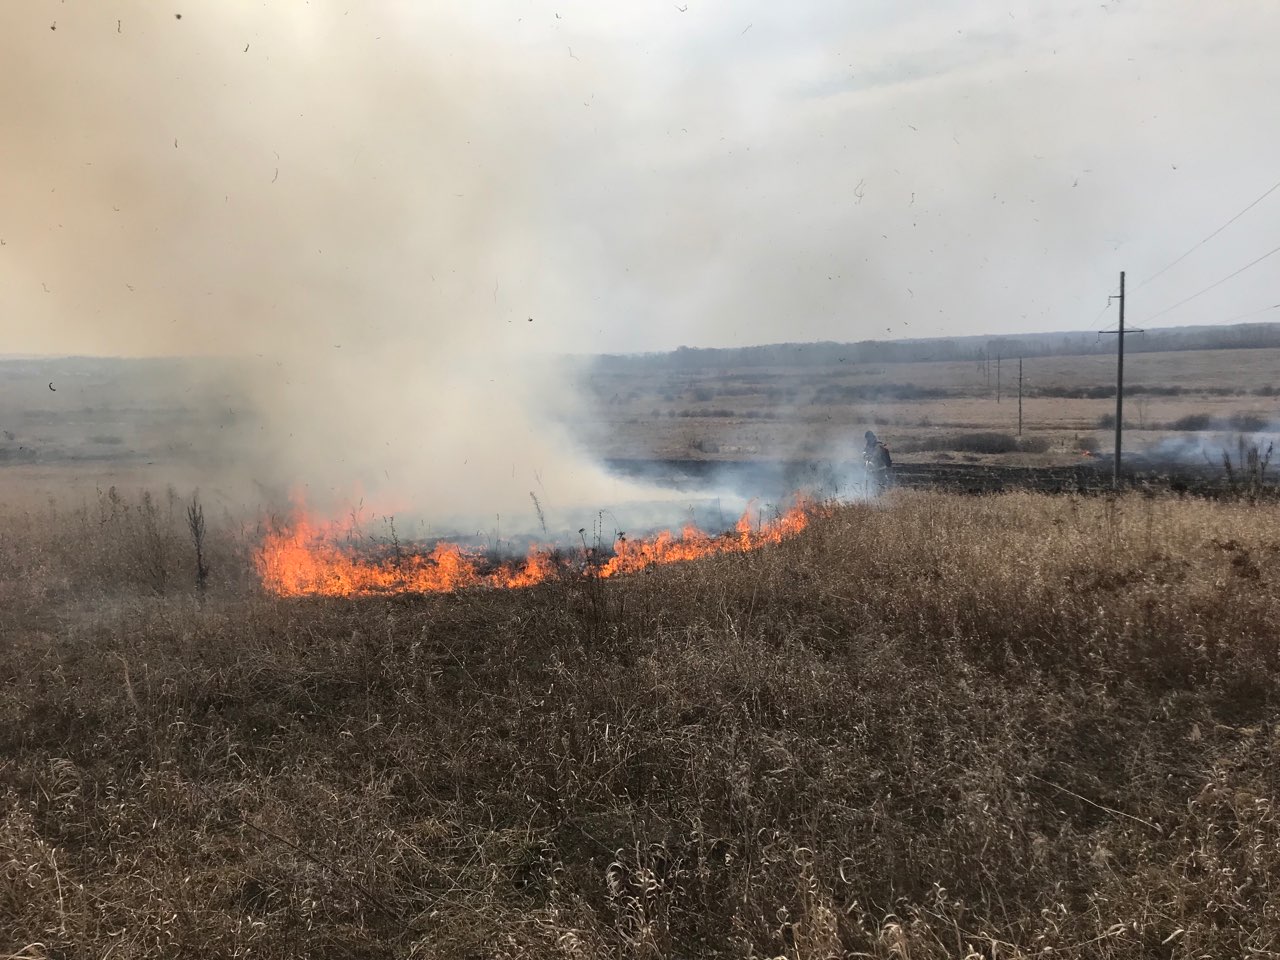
(300, 188)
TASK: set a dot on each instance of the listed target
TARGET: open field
(806, 411)
(89, 411)
(931, 727)
(189, 420)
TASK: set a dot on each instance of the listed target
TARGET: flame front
(308, 559)
(631, 556)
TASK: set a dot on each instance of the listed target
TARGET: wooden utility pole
(1019, 396)
(1119, 383)
(1115, 477)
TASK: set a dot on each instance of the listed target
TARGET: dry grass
(935, 727)
(727, 413)
(117, 419)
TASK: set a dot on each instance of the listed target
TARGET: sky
(631, 176)
(395, 208)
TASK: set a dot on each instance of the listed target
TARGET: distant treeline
(1103, 392)
(840, 393)
(1241, 336)
(1201, 422)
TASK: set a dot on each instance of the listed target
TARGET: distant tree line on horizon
(1245, 336)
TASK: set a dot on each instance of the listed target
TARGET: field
(117, 417)
(930, 726)
(925, 410)
(934, 726)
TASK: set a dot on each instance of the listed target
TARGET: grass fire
(308, 558)
(384, 390)
(920, 727)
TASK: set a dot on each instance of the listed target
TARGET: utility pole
(1115, 477)
(1019, 396)
(997, 378)
(1119, 383)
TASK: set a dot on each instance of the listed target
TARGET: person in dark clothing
(876, 462)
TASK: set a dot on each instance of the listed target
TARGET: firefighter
(876, 462)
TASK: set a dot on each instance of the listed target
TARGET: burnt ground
(778, 478)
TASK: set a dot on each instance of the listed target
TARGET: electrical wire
(1216, 283)
(1272, 190)
(1094, 324)
(1251, 313)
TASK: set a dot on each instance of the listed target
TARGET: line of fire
(308, 558)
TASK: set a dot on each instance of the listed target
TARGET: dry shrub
(988, 442)
(119, 545)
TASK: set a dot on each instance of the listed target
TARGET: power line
(1251, 313)
(1100, 313)
(1217, 283)
(1274, 187)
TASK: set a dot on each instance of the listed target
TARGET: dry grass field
(807, 411)
(928, 727)
(110, 418)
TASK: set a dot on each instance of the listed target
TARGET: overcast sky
(222, 177)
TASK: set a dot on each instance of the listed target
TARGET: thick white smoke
(349, 201)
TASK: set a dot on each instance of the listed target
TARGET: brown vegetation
(658, 407)
(110, 416)
(933, 727)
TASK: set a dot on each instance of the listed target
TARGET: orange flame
(308, 560)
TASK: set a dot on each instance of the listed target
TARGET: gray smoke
(370, 203)
(351, 216)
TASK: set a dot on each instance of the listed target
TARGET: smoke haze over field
(376, 203)
(346, 202)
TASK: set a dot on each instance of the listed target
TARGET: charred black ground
(775, 478)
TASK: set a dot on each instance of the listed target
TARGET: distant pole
(1019, 396)
(997, 378)
(1115, 476)
(1120, 333)
(1119, 383)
